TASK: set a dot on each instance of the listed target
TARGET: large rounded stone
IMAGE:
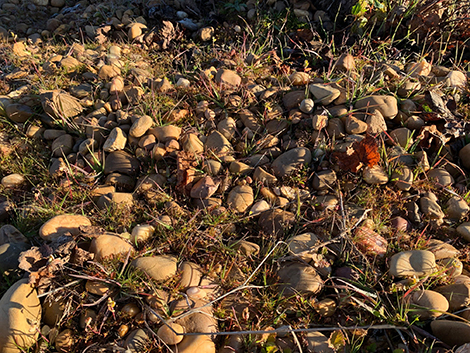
(275, 222)
(141, 126)
(412, 263)
(60, 225)
(196, 344)
(13, 181)
(454, 333)
(158, 267)
(457, 294)
(428, 304)
(107, 245)
(228, 78)
(19, 113)
(168, 335)
(217, 144)
(240, 198)
(62, 145)
(291, 160)
(20, 311)
(121, 162)
(387, 105)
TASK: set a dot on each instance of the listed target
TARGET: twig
(60, 288)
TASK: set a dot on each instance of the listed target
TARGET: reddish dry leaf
(364, 152)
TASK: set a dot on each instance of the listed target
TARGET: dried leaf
(186, 162)
(337, 340)
(33, 259)
(364, 152)
(80, 256)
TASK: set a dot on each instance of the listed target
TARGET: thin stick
(60, 288)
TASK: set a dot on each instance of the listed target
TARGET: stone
(300, 278)
(20, 311)
(121, 162)
(430, 208)
(346, 63)
(141, 233)
(456, 79)
(370, 242)
(262, 176)
(387, 105)
(9, 254)
(441, 176)
(457, 294)
(204, 188)
(59, 104)
(292, 99)
(464, 230)
(228, 78)
(69, 63)
(135, 30)
(276, 222)
(317, 342)
(324, 179)
(324, 93)
(302, 242)
(430, 304)
(355, 126)
(319, 122)
(464, 155)
(62, 146)
(99, 288)
(157, 267)
(107, 245)
(442, 250)
(299, 78)
(13, 181)
(375, 175)
(116, 199)
(9, 234)
(307, 106)
(206, 33)
(412, 263)
(58, 3)
(141, 125)
(290, 161)
(217, 144)
(453, 333)
(64, 341)
(240, 198)
(421, 68)
(259, 207)
(325, 307)
(116, 140)
(19, 113)
(107, 72)
(211, 167)
(196, 344)
(191, 274)
(456, 207)
(227, 127)
(192, 143)
(246, 248)
(137, 342)
(335, 128)
(61, 225)
(168, 335)
(403, 178)
(402, 137)
(239, 168)
(166, 133)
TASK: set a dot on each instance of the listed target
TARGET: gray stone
(431, 208)
(324, 94)
(453, 333)
(457, 207)
(240, 198)
(375, 175)
(9, 254)
(276, 222)
(121, 162)
(387, 105)
(441, 176)
(116, 140)
(299, 278)
(158, 268)
(62, 145)
(19, 113)
(290, 161)
(324, 179)
(403, 178)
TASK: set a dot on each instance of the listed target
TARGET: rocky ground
(234, 177)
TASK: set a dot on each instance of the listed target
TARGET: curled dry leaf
(362, 153)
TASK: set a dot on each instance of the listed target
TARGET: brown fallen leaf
(186, 163)
(364, 152)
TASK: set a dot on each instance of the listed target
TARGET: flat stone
(107, 72)
(109, 245)
(135, 30)
(298, 277)
(69, 63)
(240, 198)
(246, 248)
(370, 242)
(412, 263)
(20, 310)
(375, 175)
(430, 304)
(137, 342)
(61, 225)
(121, 162)
(62, 145)
(317, 342)
(275, 222)
(227, 78)
(293, 99)
(125, 199)
(324, 94)
(299, 78)
(196, 344)
(191, 274)
(217, 144)
(9, 234)
(259, 207)
(13, 181)
(456, 79)
(324, 179)
(453, 333)
(116, 140)
(290, 161)
(204, 188)
(464, 230)
(262, 176)
(158, 267)
(442, 250)
(430, 208)
(19, 113)
(60, 104)
(387, 105)
(192, 143)
(403, 178)
(303, 242)
(441, 176)
(239, 168)
(166, 133)
(9, 254)
(168, 335)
